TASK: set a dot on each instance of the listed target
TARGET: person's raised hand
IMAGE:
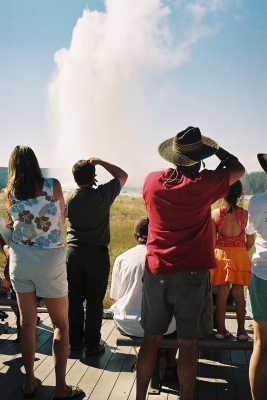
(94, 160)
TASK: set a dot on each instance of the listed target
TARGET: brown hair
(83, 172)
(24, 173)
(141, 229)
(234, 196)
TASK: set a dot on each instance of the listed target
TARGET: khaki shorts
(34, 269)
(185, 295)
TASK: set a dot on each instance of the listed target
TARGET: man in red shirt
(180, 251)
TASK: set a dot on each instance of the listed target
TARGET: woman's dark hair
(234, 196)
(24, 174)
(83, 172)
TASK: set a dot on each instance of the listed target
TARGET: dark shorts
(185, 295)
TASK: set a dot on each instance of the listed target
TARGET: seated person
(126, 288)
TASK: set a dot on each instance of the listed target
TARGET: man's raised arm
(115, 171)
(231, 162)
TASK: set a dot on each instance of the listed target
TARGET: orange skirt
(233, 265)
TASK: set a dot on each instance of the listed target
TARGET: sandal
(242, 335)
(75, 391)
(221, 335)
(28, 395)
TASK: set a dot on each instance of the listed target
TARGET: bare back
(231, 225)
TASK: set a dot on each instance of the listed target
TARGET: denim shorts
(258, 298)
(184, 295)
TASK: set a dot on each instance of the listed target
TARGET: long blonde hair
(24, 174)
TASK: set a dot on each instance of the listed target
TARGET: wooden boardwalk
(222, 375)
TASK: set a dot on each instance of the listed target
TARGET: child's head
(141, 229)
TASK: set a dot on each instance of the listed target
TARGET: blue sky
(120, 77)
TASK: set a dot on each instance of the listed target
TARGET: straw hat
(263, 161)
(187, 147)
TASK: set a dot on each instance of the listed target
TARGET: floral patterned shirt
(37, 222)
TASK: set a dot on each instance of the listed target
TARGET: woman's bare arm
(58, 194)
(250, 241)
(8, 204)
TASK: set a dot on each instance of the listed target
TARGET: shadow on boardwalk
(221, 374)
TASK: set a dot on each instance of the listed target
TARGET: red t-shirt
(180, 227)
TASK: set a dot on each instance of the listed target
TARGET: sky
(113, 79)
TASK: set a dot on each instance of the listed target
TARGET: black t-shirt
(88, 213)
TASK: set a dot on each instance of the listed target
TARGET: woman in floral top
(35, 208)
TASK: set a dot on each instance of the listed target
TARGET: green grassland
(123, 214)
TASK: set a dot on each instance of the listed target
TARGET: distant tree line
(254, 182)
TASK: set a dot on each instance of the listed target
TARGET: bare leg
(187, 368)
(28, 313)
(258, 362)
(58, 311)
(223, 291)
(238, 293)
(145, 363)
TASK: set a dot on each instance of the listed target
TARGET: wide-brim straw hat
(263, 161)
(188, 147)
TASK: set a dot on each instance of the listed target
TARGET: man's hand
(114, 170)
(235, 168)
(94, 160)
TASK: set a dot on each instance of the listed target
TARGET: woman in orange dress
(233, 264)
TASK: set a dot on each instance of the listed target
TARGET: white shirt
(257, 223)
(126, 288)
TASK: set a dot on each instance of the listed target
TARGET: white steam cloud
(98, 96)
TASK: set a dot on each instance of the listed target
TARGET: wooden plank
(163, 394)
(9, 349)
(47, 387)
(248, 354)
(125, 380)
(11, 387)
(241, 375)
(13, 381)
(174, 390)
(132, 395)
(169, 390)
(96, 365)
(108, 376)
(224, 375)
(206, 379)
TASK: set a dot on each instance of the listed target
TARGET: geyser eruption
(100, 97)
